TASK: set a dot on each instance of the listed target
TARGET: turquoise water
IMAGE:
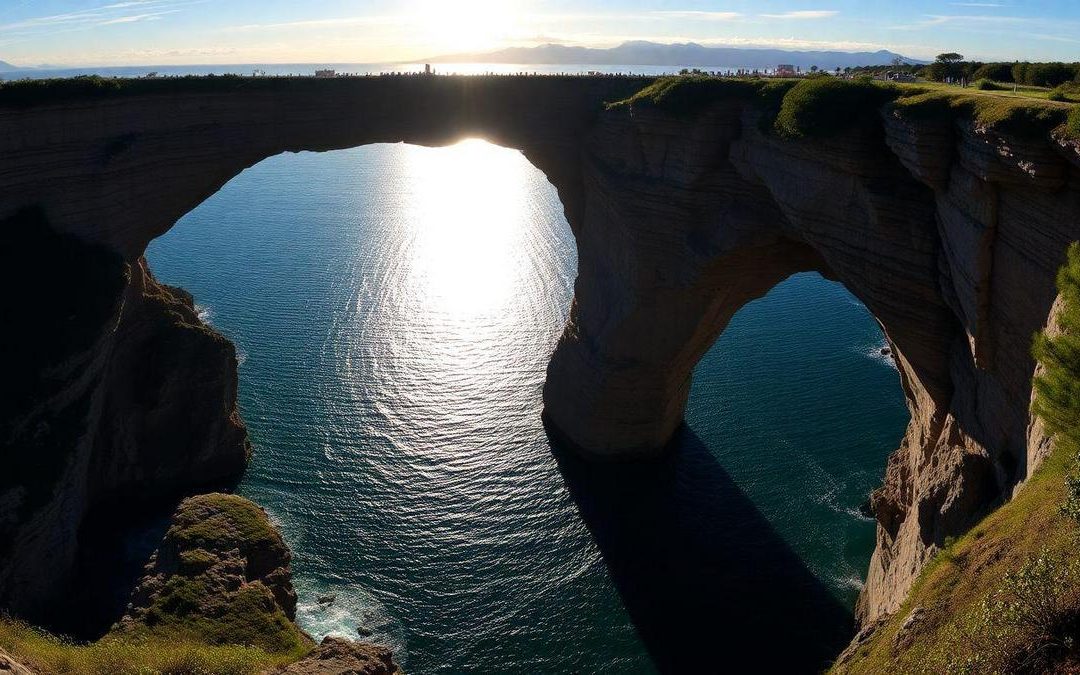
(394, 308)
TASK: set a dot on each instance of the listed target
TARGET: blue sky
(141, 32)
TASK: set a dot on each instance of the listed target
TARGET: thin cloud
(699, 15)
(804, 14)
(105, 15)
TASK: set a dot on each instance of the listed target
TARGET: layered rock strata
(950, 234)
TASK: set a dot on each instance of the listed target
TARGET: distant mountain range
(689, 55)
(4, 65)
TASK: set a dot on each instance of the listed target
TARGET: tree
(813, 69)
(950, 57)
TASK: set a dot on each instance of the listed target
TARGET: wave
(347, 612)
(203, 312)
(883, 354)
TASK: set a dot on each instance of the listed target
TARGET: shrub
(1072, 124)
(826, 106)
(1024, 117)
(686, 94)
(998, 72)
(1057, 387)
(1026, 626)
(986, 84)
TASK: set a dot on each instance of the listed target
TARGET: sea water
(394, 308)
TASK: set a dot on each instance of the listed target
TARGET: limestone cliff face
(950, 234)
(120, 395)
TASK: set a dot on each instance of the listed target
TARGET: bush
(686, 94)
(988, 85)
(826, 106)
(1072, 124)
(998, 72)
(1057, 387)
(1025, 626)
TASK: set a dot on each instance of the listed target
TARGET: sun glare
(466, 24)
(467, 221)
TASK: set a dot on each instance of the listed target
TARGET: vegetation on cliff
(1005, 597)
(823, 106)
(121, 655)
(217, 598)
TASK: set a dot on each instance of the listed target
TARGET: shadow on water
(707, 581)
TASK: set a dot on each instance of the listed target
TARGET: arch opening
(383, 450)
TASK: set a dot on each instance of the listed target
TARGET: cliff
(948, 220)
(215, 597)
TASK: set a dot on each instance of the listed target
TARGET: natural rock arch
(949, 235)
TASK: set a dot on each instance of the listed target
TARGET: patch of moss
(824, 106)
(196, 561)
(214, 520)
(1023, 117)
(249, 617)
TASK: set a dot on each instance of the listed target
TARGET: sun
(465, 25)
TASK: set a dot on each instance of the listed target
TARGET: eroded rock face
(119, 394)
(222, 574)
(9, 666)
(950, 235)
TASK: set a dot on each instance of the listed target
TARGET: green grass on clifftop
(148, 655)
(823, 106)
(1005, 597)
(1023, 117)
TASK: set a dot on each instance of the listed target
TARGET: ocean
(394, 308)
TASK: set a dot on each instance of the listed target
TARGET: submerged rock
(336, 656)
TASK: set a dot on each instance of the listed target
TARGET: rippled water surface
(394, 308)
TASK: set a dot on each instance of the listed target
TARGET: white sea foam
(349, 612)
(886, 358)
(203, 312)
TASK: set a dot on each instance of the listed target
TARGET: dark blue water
(394, 308)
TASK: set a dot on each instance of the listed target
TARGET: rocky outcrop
(222, 575)
(336, 656)
(950, 234)
(120, 394)
(9, 666)
(219, 553)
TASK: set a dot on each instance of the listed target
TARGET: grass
(960, 577)
(202, 618)
(687, 94)
(1012, 115)
(1005, 597)
(116, 655)
(824, 106)
(218, 519)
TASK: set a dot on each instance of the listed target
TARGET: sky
(181, 32)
